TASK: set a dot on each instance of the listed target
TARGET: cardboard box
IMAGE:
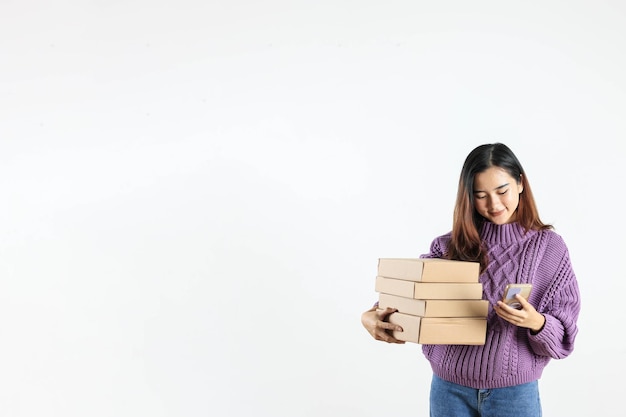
(440, 331)
(428, 269)
(435, 308)
(430, 290)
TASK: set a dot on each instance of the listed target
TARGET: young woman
(496, 223)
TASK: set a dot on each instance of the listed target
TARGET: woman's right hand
(375, 322)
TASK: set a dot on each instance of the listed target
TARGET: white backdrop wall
(195, 193)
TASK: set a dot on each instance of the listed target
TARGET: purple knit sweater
(513, 355)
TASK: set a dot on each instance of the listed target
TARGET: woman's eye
(503, 192)
(480, 197)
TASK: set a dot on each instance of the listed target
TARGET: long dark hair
(465, 243)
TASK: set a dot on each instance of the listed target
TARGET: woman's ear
(520, 184)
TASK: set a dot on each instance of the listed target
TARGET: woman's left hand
(526, 317)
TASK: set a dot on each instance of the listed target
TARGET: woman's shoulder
(552, 240)
(443, 239)
(438, 246)
(551, 235)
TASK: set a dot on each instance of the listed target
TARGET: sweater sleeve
(561, 307)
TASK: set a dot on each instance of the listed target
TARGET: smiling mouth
(497, 213)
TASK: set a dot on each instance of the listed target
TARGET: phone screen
(511, 290)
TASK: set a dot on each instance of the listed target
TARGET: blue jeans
(452, 400)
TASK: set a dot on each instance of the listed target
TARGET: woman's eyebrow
(497, 188)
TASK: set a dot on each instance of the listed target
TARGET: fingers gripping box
(440, 330)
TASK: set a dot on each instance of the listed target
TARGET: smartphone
(509, 294)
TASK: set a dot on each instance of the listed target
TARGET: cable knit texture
(513, 355)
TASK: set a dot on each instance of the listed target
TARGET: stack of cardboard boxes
(439, 301)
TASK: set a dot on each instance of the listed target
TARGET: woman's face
(496, 195)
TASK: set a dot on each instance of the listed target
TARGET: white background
(195, 193)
